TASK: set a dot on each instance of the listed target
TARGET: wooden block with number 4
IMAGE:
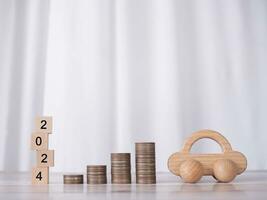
(40, 175)
(44, 124)
(39, 141)
(45, 158)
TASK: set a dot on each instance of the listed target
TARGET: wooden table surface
(250, 185)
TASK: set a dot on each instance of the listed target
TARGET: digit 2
(44, 159)
(43, 124)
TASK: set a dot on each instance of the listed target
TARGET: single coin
(125, 167)
(146, 181)
(140, 159)
(146, 171)
(97, 173)
(120, 163)
(144, 146)
(96, 182)
(96, 168)
(90, 180)
(145, 151)
(120, 160)
(152, 175)
(140, 144)
(100, 180)
(121, 175)
(145, 155)
(73, 181)
(120, 155)
(73, 176)
(151, 155)
(121, 166)
(120, 172)
(140, 171)
(145, 178)
(147, 163)
(121, 182)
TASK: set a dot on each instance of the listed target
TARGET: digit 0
(38, 141)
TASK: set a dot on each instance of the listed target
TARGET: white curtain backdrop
(115, 72)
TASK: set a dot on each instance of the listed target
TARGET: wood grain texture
(207, 160)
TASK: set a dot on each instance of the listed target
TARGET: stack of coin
(121, 168)
(96, 174)
(145, 163)
(73, 179)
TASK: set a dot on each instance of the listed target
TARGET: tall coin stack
(145, 163)
(121, 168)
(96, 174)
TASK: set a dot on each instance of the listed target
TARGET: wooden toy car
(222, 166)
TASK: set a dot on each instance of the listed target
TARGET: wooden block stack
(39, 143)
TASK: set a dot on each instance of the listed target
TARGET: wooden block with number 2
(40, 175)
(45, 158)
(44, 124)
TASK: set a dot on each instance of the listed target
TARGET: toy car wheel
(191, 171)
(224, 170)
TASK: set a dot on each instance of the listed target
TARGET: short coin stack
(145, 163)
(121, 168)
(96, 174)
(73, 179)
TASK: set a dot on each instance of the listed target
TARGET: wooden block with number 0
(44, 124)
(40, 175)
(45, 158)
(39, 141)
